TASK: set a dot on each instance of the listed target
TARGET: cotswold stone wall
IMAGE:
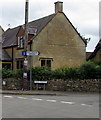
(89, 85)
(11, 84)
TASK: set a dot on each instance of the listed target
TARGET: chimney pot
(58, 6)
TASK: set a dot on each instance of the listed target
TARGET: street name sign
(32, 53)
(44, 82)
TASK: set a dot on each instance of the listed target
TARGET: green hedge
(40, 73)
(88, 70)
(6, 73)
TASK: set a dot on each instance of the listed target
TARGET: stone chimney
(58, 6)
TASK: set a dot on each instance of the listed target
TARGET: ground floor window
(20, 63)
(46, 62)
(100, 58)
(6, 65)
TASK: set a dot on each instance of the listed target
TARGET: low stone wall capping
(87, 85)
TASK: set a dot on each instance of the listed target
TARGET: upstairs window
(20, 42)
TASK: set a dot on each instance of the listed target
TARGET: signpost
(25, 80)
(29, 53)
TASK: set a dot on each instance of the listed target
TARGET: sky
(83, 14)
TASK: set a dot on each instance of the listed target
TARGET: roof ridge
(41, 18)
(13, 28)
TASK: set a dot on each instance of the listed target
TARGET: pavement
(44, 92)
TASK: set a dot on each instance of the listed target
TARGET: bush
(71, 73)
(18, 73)
(87, 70)
(40, 73)
(58, 73)
(7, 73)
(98, 72)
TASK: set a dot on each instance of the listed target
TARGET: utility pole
(25, 80)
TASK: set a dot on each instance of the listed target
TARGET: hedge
(88, 70)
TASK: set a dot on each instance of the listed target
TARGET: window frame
(20, 40)
(46, 62)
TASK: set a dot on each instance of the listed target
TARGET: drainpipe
(31, 67)
(12, 58)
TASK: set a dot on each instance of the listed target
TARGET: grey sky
(84, 15)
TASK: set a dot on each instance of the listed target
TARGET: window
(46, 62)
(100, 58)
(19, 64)
(6, 65)
(20, 42)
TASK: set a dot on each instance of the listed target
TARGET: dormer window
(20, 42)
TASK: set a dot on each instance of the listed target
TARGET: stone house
(53, 36)
(1, 32)
(96, 54)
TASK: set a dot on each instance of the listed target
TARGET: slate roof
(9, 37)
(5, 56)
(41, 23)
(95, 51)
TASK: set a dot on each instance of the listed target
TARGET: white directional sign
(24, 75)
(32, 53)
(25, 62)
(45, 82)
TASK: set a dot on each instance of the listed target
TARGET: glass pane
(42, 62)
(21, 64)
(17, 64)
(48, 63)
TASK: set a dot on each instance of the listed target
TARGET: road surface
(43, 106)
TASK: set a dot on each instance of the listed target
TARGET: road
(42, 106)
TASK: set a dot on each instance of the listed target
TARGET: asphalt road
(41, 106)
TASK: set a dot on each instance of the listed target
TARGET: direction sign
(32, 53)
(23, 53)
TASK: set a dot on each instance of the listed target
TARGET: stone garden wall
(89, 85)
